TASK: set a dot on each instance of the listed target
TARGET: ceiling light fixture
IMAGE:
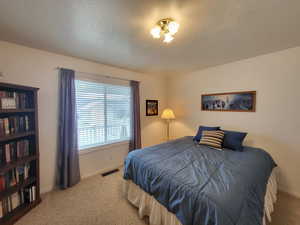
(166, 28)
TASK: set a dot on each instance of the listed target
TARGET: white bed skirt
(159, 215)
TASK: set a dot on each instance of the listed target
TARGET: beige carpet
(99, 201)
(94, 201)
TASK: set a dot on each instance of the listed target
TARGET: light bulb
(155, 32)
(168, 38)
(173, 27)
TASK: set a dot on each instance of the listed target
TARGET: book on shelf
(2, 183)
(13, 151)
(14, 176)
(26, 195)
(13, 100)
(14, 124)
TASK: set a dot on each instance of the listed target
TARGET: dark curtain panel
(68, 160)
(135, 142)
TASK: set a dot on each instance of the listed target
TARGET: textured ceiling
(116, 32)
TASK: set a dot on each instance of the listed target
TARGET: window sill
(103, 147)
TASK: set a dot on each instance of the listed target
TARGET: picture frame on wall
(151, 107)
(244, 101)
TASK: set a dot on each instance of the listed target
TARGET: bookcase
(19, 152)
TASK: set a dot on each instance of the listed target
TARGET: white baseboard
(101, 171)
(45, 190)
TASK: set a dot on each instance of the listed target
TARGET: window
(103, 113)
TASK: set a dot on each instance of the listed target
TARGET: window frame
(106, 145)
(103, 147)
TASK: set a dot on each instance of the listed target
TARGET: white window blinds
(103, 113)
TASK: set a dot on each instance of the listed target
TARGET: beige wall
(276, 124)
(27, 66)
(274, 127)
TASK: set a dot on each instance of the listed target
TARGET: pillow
(212, 138)
(201, 129)
(234, 140)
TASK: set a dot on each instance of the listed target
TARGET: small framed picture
(151, 107)
(231, 102)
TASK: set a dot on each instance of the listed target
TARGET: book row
(14, 150)
(14, 176)
(14, 124)
(13, 100)
(24, 196)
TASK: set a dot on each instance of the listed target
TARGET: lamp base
(168, 130)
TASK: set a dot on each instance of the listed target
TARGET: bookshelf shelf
(4, 111)
(19, 199)
(13, 216)
(11, 190)
(16, 136)
(11, 165)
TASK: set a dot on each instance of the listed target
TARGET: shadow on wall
(148, 136)
(181, 129)
(283, 153)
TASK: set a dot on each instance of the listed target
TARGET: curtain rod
(95, 74)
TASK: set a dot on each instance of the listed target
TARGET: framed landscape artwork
(231, 102)
(151, 107)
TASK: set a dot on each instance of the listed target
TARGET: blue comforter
(201, 185)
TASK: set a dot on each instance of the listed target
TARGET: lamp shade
(168, 114)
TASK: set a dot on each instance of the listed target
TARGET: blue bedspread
(201, 185)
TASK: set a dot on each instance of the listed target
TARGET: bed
(183, 183)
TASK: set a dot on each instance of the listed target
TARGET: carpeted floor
(99, 201)
(94, 201)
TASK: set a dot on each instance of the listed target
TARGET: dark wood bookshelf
(4, 111)
(16, 136)
(8, 166)
(9, 191)
(17, 87)
(18, 212)
(33, 137)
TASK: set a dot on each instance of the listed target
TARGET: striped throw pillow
(212, 138)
